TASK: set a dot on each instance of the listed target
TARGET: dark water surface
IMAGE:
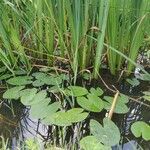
(17, 125)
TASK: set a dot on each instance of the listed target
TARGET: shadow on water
(17, 125)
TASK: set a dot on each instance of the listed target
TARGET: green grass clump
(44, 30)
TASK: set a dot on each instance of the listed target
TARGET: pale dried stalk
(113, 105)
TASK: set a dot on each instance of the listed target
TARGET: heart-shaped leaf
(13, 93)
(140, 128)
(91, 103)
(76, 91)
(98, 91)
(121, 107)
(44, 78)
(108, 134)
(35, 98)
(133, 82)
(42, 110)
(62, 118)
(146, 95)
(27, 95)
(38, 83)
(20, 80)
(91, 143)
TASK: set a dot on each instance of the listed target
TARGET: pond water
(17, 125)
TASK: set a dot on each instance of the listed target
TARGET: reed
(62, 28)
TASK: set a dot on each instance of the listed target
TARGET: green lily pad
(44, 109)
(3, 69)
(146, 95)
(76, 91)
(91, 143)
(62, 118)
(98, 91)
(38, 83)
(13, 93)
(34, 98)
(5, 76)
(27, 95)
(108, 134)
(133, 82)
(121, 107)
(91, 103)
(20, 80)
(140, 128)
(44, 78)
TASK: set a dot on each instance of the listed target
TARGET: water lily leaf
(133, 82)
(62, 118)
(108, 134)
(144, 77)
(27, 95)
(5, 76)
(76, 91)
(146, 95)
(3, 69)
(13, 93)
(98, 91)
(121, 107)
(47, 79)
(20, 80)
(52, 80)
(91, 103)
(39, 75)
(91, 143)
(43, 110)
(38, 83)
(35, 98)
(140, 128)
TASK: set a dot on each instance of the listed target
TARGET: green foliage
(96, 91)
(50, 30)
(108, 134)
(76, 91)
(146, 96)
(133, 81)
(140, 128)
(13, 93)
(91, 103)
(20, 80)
(121, 107)
(62, 118)
(90, 142)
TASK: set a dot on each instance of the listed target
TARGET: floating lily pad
(44, 109)
(62, 118)
(140, 128)
(146, 95)
(13, 93)
(91, 143)
(133, 82)
(34, 98)
(44, 78)
(5, 76)
(121, 107)
(27, 95)
(91, 103)
(98, 91)
(108, 134)
(76, 91)
(20, 80)
(38, 83)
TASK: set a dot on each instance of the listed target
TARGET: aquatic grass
(62, 29)
(103, 13)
